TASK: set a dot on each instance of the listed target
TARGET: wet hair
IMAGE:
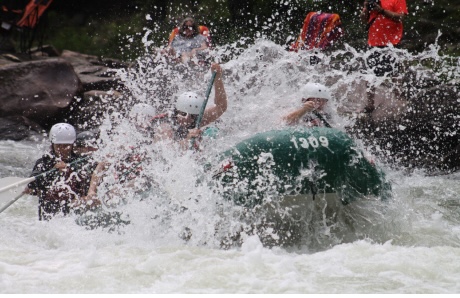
(194, 26)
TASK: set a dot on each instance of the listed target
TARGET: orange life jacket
(34, 10)
(320, 31)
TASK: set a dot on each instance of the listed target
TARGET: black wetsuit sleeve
(43, 165)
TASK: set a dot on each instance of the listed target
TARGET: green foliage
(111, 37)
(118, 30)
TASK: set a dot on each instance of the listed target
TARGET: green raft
(315, 161)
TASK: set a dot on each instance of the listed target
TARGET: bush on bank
(115, 29)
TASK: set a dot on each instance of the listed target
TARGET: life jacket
(34, 10)
(57, 190)
(319, 31)
(312, 120)
(202, 29)
(86, 169)
(26, 19)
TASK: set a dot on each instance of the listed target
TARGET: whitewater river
(177, 239)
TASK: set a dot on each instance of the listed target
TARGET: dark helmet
(86, 139)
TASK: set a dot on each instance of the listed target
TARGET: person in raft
(61, 183)
(86, 143)
(180, 123)
(312, 112)
(189, 42)
(384, 24)
(126, 167)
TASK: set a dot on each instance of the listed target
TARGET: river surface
(174, 240)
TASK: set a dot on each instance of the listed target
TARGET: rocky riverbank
(38, 91)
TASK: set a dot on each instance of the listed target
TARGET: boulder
(38, 90)
(18, 128)
(92, 106)
(94, 73)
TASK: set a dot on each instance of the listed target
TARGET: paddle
(12, 182)
(320, 117)
(11, 202)
(203, 106)
(9, 183)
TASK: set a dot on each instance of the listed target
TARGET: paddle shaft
(16, 184)
(203, 106)
(30, 179)
(11, 202)
(322, 119)
(27, 180)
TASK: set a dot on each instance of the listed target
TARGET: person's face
(63, 151)
(85, 150)
(188, 29)
(185, 119)
(319, 102)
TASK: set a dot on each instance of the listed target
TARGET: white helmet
(142, 112)
(62, 133)
(189, 102)
(315, 90)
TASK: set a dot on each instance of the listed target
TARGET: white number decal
(313, 142)
(303, 143)
(324, 141)
(295, 142)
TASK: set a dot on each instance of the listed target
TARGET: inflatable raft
(298, 161)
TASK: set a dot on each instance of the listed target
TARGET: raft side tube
(298, 161)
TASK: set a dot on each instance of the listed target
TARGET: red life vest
(34, 10)
(319, 31)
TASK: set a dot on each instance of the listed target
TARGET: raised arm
(294, 117)
(220, 98)
(203, 46)
(91, 200)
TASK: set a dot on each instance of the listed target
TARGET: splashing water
(263, 82)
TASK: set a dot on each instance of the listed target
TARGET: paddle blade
(10, 194)
(3, 206)
(11, 189)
